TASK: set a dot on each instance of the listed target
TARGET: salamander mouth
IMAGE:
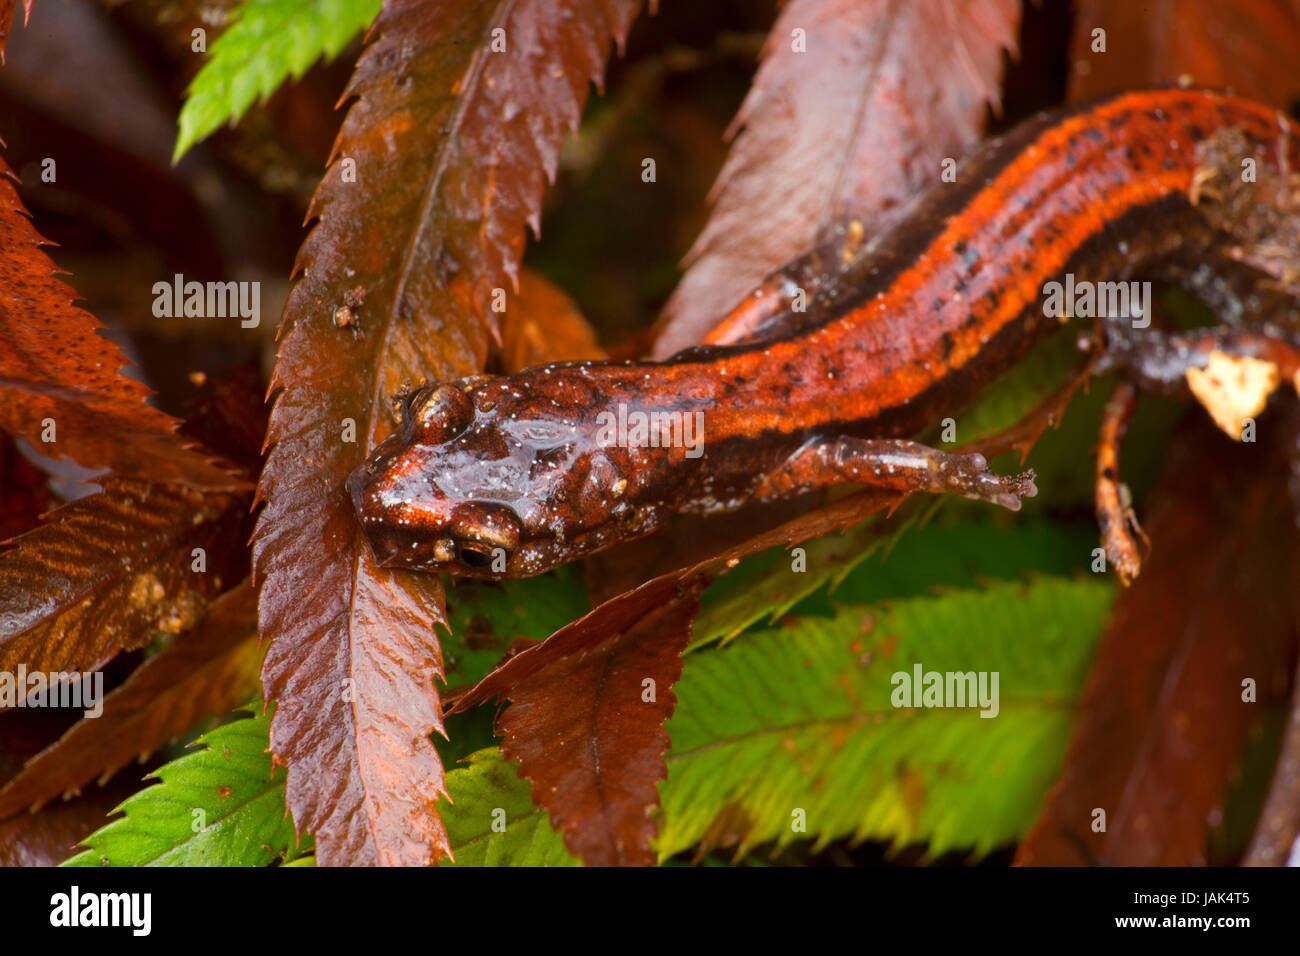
(358, 485)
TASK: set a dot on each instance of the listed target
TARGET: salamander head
(416, 496)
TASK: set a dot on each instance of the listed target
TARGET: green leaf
(1011, 396)
(493, 821)
(1064, 457)
(961, 554)
(793, 718)
(801, 719)
(217, 806)
(766, 585)
(268, 41)
(882, 559)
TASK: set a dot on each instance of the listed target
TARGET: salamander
(509, 476)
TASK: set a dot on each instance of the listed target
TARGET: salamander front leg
(896, 464)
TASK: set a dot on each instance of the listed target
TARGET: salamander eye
(474, 554)
(438, 413)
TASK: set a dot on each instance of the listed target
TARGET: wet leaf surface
(26, 495)
(204, 672)
(1248, 46)
(62, 383)
(7, 10)
(451, 143)
(542, 324)
(799, 167)
(1162, 722)
(109, 572)
(585, 722)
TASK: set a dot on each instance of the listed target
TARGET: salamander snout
(410, 525)
(415, 495)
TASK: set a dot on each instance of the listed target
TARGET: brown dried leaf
(46, 839)
(683, 541)
(543, 325)
(230, 418)
(452, 145)
(206, 671)
(1162, 722)
(57, 372)
(108, 572)
(1249, 46)
(24, 492)
(849, 129)
(1023, 435)
(7, 8)
(25, 732)
(50, 837)
(1278, 826)
(583, 730)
